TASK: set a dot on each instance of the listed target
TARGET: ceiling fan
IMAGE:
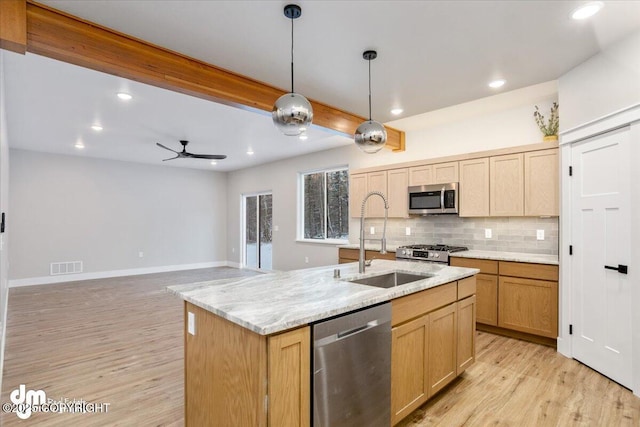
(184, 154)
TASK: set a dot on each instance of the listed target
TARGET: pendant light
(370, 136)
(292, 112)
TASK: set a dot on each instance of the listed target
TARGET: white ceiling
(431, 55)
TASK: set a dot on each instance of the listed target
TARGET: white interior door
(600, 222)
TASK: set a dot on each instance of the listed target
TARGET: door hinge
(570, 249)
(570, 329)
(570, 170)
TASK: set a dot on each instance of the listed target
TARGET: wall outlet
(540, 234)
(276, 228)
(306, 260)
(407, 231)
(140, 254)
(191, 323)
(487, 233)
(233, 250)
(372, 230)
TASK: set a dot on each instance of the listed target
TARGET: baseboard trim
(47, 280)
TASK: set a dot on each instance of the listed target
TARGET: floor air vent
(69, 267)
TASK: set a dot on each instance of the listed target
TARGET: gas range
(433, 253)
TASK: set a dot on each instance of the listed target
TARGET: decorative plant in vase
(550, 127)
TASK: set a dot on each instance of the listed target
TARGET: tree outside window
(325, 205)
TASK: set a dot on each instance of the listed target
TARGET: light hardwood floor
(120, 341)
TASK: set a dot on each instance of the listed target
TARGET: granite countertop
(278, 301)
(508, 256)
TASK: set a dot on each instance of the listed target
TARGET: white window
(324, 205)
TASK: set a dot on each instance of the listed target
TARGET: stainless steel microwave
(433, 199)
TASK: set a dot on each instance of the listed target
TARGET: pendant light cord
(369, 60)
(292, 91)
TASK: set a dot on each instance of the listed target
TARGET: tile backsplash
(512, 234)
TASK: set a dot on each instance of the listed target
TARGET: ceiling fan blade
(171, 158)
(209, 156)
(166, 148)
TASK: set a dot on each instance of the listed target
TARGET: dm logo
(25, 400)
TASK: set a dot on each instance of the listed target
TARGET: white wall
(4, 207)
(104, 212)
(499, 121)
(606, 83)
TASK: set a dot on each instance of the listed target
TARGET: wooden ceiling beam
(67, 38)
(13, 25)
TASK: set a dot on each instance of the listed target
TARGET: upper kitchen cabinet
(506, 180)
(392, 183)
(474, 187)
(397, 184)
(541, 183)
(439, 173)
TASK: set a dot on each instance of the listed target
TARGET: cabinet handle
(620, 268)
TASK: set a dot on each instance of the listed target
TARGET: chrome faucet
(383, 241)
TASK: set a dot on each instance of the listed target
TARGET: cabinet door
(528, 305)
(409, 375)
(397, 185)
(421, 175)
(474, 187)
(444, 173)
(507, 185)
(487, 299)
(376, 181)
(357, 191)
(442, 347)
(541, 183)
(466, 351)
(289, 378)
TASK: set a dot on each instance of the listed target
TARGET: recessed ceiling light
(124, 96)
(587, 10)
(97, 128)
(213, 162)
(497, 83)
(396, 111)
(250, 152)
(79, 145)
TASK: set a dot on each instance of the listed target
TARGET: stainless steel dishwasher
(352, 369)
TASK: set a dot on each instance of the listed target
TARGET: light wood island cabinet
(234, 376)
(433, 341)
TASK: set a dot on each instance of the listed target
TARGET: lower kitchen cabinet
(466, 351)
(235, 377)
(433, 341)
(515, 298)
(346, 255)
(528, 305)
(442, 347)
(409, 361)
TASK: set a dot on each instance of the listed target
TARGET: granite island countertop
(278, 301)
(508, 256)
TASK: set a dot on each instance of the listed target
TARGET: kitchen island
(247, 341)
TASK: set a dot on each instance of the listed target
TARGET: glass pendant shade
(292, 114)
(370, 136)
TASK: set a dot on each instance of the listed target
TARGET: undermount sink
(390, 280)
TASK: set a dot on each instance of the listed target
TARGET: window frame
(300, 207)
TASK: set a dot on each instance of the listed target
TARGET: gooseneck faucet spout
(383, 241)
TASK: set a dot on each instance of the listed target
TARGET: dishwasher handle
(346, 333)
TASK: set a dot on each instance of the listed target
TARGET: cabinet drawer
(414, 305)
(486, 266)
(466, 287)
(528, 271)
